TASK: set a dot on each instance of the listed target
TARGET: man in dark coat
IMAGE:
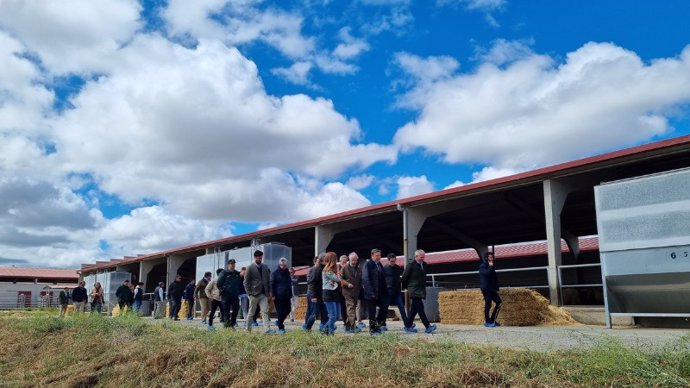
(188, 297)
(393, 281)
(315, 305)
(414, 280)
(124, 294)
(352, 285)
(281, 282)
(375, 292)
(229, 286)
(175, 292)
(64, 301)
(488, 283)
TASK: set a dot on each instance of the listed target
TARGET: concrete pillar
(323, 235)
(144, 268)
(555, 195)
(174, 263)
(413, 220)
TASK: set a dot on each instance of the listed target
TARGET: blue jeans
(333, 311)
(137, 305)
(397, 300)
(97, 306)
(312, 310)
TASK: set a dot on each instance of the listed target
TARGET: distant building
(33, 287)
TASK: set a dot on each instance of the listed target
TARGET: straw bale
(301, 308)
(520, 307)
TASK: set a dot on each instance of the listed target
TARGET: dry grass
(126, 351)
(520, 307)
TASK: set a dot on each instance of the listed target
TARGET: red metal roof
(506, 251)
(40, 273)
(525, 177)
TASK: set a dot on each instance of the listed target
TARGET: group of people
(337, 289)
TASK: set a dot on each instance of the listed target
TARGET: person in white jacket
(213, 293)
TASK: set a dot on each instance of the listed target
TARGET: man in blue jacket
(488, 282)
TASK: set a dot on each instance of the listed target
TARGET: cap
(231, 261)
(282, 261)
(258, 253)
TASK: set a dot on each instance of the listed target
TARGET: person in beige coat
(257, 283)
(352, 284)
(200, 295)
(213, 293)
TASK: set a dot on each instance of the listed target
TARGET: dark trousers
(190, 308)
(316, 308)
(343, 309)
(175, 305)
(396, 299)
(121, 304)
(231, 307)
(283, 307)
(491, 296)
(382, 304)
(215, 305)
(417, 307)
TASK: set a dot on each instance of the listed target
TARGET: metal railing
(17, 302)
(585, 285)
(435, 283)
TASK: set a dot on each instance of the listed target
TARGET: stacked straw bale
(521, 307)
(301, 308)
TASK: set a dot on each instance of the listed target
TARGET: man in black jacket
(64, 301)
(80, 297)
(175, 292)
(414, 280)
(124, 295)
(315, 303)
(488, 283)
(375, 292)
(393, 281)
(229, 286)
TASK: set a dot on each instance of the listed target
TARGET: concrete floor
(537, 338)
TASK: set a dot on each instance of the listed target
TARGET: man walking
(64, 301)
(123, 295)
(375, 292)
(175, 292)
(257, 282)
(188, 297)
(315, 305)
(229, 286)
(213, 293)
(158, 301)
(352, 284)
(488, 283)
(80, 297)
(281, 283)
(393, 281)
(200, 293)
(414, 280)
(138, 297)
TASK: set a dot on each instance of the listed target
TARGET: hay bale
(301, 308)
(521, 307)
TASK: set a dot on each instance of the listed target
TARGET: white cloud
(505, 51)
(536, 111)
(194, 129)
(297, 73)
(422, 72)
(72, 35)
(360, 182)
(482, 5)
(488, 173)
(454, 184)
(409, 186)
(350, 47)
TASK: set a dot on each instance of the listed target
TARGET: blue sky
(128, 127)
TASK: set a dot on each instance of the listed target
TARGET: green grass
(43, 350)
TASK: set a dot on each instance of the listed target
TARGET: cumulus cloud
(350, 47)
(72, 35)
(297, 73)
(195, 129)
(536, 111)
(360, 182)
(409, 186)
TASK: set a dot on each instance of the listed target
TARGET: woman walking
(331, 292)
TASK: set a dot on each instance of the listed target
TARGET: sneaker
(176, 319)
(211, 328)
(356, 330)
(361, 325)
(413, 325)
(189, 318)
(270, 331)
(431, 329)
(383, 328)
(375, 332)
(348, 330)
(255, 324)
(489, 324)
(203, 322)
(321, 327)
(281, 331)
(496, 324)
(292, 319)
(409, 330)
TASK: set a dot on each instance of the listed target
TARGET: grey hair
(419, 252)
(352, 255)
